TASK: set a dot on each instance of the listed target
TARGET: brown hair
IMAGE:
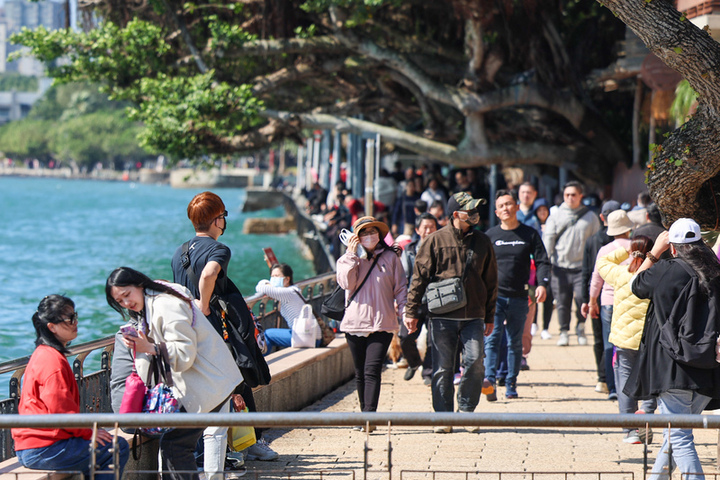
(203, 209)
(643, 245)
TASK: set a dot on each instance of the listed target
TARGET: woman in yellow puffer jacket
(628, 321)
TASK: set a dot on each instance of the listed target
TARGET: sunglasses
(72, 320)
(223, 215)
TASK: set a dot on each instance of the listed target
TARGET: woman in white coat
(203, 370)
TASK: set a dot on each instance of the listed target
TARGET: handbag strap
(160, 367)
(364, 279)
(185, 260)
(165, 370)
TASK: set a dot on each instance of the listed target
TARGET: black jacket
(655, 371)
(592, 247)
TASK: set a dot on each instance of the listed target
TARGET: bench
(300, 376)
(11, 467)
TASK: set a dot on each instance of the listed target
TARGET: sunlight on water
(66, 236)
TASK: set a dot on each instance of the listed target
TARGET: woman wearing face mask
(371, 317)
(280, 287)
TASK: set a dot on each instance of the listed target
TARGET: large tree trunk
(683, 175)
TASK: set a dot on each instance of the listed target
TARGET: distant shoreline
(67, 174)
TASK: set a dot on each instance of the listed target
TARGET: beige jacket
(203, 368)
(629, 311)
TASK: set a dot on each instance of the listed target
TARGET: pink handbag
(135, 391)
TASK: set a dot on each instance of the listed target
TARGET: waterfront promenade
(561, 380)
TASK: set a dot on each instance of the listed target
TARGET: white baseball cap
(684, 230)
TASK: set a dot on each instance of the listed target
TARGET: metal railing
(391, 419)
(95, 387)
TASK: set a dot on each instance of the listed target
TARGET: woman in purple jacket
(372, 316)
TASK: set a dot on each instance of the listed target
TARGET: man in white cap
(619, 227)
(457, 250)
(679, 388)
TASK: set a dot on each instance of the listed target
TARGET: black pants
(547, 308)
(368, 356)
(566, 286)
(177, 451)
(408, 344)
(599, 349)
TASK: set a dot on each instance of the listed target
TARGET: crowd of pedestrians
(585, 259)
(425, 262)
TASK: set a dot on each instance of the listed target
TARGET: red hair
(643, 245)
(203, 209)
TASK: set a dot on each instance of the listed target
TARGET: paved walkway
(561, 380)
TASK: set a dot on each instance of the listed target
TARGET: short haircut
(575, 184)
(527, 184)
(502, 192)
(653, 213)
(644, 199)
(203, 209)
(421, 206)
(425, 216)
(285, 269)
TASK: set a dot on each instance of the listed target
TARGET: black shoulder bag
(334, 305)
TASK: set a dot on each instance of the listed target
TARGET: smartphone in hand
(270, 257)
(128, 331)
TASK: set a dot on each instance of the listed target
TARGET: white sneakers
(545, 335)
(564, 340)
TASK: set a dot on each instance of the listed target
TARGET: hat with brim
(367, 222)
(619, 223)
(463, 201)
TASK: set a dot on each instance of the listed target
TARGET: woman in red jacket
(49, 386)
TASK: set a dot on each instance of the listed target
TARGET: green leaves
(187, 115)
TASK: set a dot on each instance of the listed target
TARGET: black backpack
(691, 331)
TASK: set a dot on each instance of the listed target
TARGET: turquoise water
(66, 236)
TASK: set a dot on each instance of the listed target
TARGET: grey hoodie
(566, 250)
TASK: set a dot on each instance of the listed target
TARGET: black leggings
(368, 356)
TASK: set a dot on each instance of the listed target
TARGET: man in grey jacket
(566, 232)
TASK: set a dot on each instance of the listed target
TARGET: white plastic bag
(305, 330)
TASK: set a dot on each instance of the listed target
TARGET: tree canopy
(468, 83)
(74, 124)
(683, 172)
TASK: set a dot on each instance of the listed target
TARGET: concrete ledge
(300, 376)
(11, 468)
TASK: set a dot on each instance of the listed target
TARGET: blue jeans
(281, 338)
(626, 360)
(445, 335)
(606, 312)
(510, 316)
(684, 455)
(73, 454)
(277, 337)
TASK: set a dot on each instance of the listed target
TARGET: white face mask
(277, 281)
(370, 241)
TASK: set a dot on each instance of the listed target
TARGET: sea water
(66, 236)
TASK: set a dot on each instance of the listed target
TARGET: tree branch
(180, 23)
(574, 157)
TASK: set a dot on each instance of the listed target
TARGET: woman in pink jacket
(372, 315)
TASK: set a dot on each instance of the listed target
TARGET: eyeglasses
(222, 215)
(73, 320)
